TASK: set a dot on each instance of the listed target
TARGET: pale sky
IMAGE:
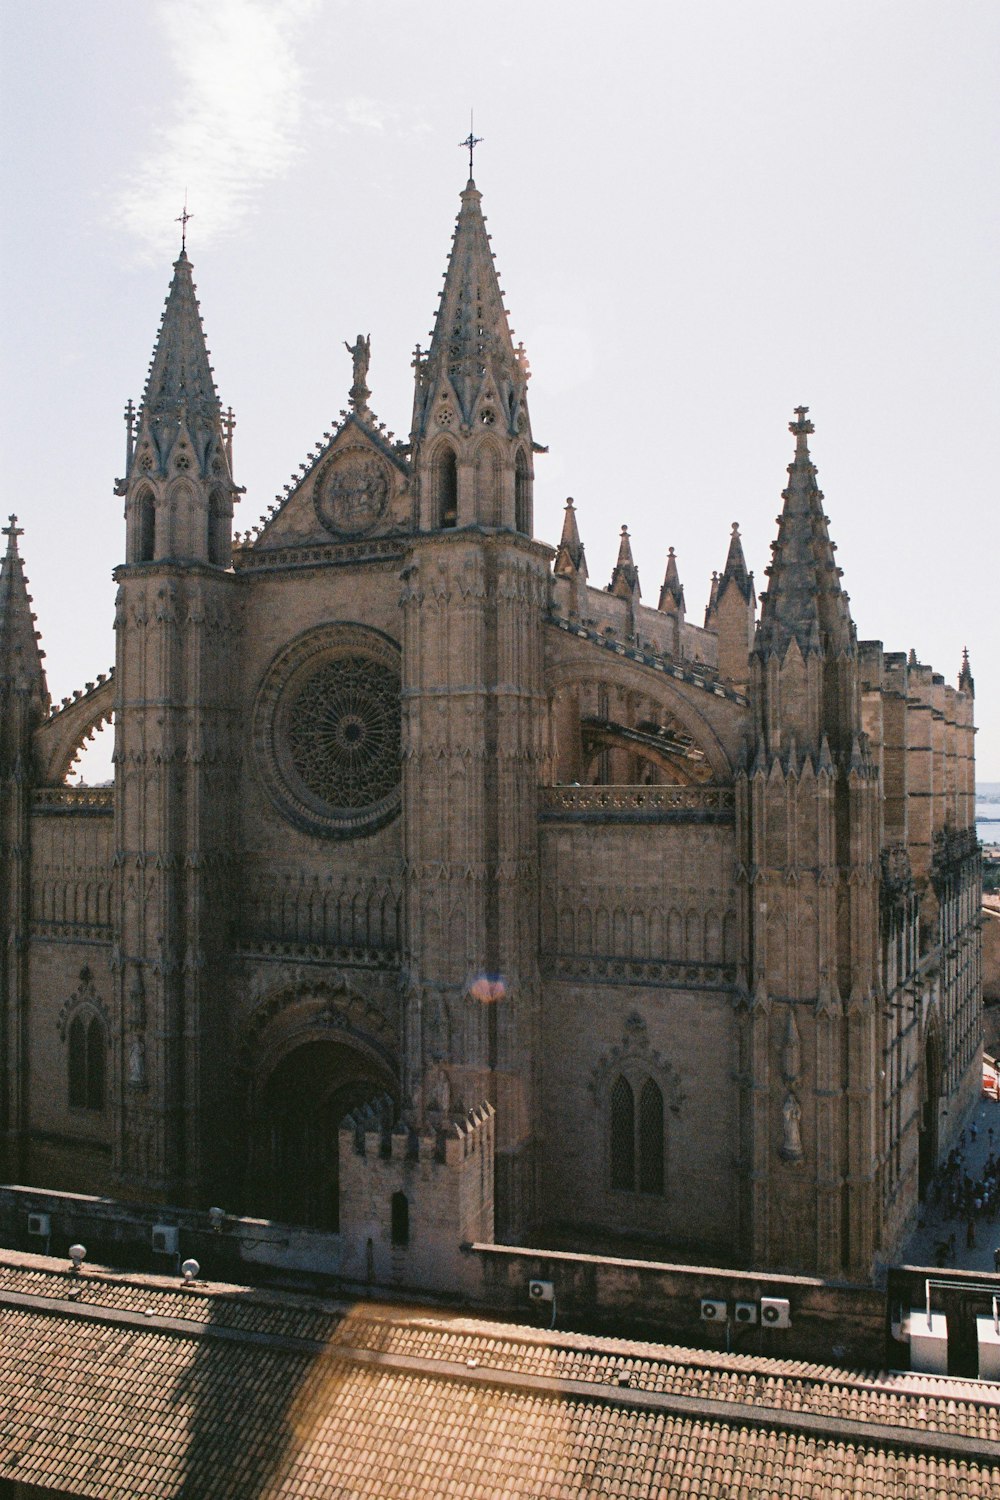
(704, 213)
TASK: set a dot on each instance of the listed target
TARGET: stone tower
(173, 753)
(809, 827)
(474, 589)
(24, 702)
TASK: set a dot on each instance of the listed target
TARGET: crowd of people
(955, 1195)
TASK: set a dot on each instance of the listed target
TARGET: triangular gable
(356, 485)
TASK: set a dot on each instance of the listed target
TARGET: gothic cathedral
(407, 815)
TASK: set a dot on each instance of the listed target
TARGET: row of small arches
(488, 488)
(680, 937)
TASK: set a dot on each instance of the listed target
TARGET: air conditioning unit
(775, 1312)
(541, 1291)
(166, 1239)
(712, 1311)
(745, 1312)
(40, 1224)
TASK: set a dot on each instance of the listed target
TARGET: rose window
(327, 730)
(343, 732)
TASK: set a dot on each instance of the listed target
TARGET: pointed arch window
(636, 1137)
(489, 485)
(522, 494)
(446, 487)
(218, 550)
(87, 1055)
(145, 545)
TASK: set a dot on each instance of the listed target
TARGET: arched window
(522, 493)
(622, 1135)
(446, 487)
(400, 1219)
(87, 1048)
(145, 527)
(636, 1130)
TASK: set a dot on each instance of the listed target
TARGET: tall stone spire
(21, 656)
(471, 386)
(671, 591)
(804, 601)
(178, 487)
(966, 682)
(180, 377)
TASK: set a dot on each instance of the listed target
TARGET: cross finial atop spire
(12, 532)
(801, 426)
(471, 142)
(182, 220)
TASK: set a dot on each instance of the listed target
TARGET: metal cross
(471, 142)
(182, 220)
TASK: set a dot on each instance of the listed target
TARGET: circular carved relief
(327, 730)
(352, 492)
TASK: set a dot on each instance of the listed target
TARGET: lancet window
(636, 1136)
(87, 1053)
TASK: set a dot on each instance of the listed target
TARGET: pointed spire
(804, 601)
(472, 353)
(180, 375)
(570, 556)
(625, 578)
(735, 571)
(966, 682)
(20, 654)
(671, 592)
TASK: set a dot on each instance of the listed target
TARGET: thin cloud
(238, 120)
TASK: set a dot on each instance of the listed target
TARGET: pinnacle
(804, 601)
(966, 682)
(735, 570)
(671, 592)
(569, 557)
(625, 578)
(20, 653)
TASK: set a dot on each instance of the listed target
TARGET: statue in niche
(791, 1114)
(437, 1087)
(137, 1063)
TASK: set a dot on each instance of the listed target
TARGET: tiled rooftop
(114, 1386)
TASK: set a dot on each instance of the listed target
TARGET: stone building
(406, 810)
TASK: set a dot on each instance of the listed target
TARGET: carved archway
(310, 1054)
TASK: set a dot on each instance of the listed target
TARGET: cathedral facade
(405, 809)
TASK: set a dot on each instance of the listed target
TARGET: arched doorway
(294, 1159)
(929, 1123)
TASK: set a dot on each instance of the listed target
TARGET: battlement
(411, 1197)
(457, 1137)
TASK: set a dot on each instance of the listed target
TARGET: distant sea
(988, 811)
